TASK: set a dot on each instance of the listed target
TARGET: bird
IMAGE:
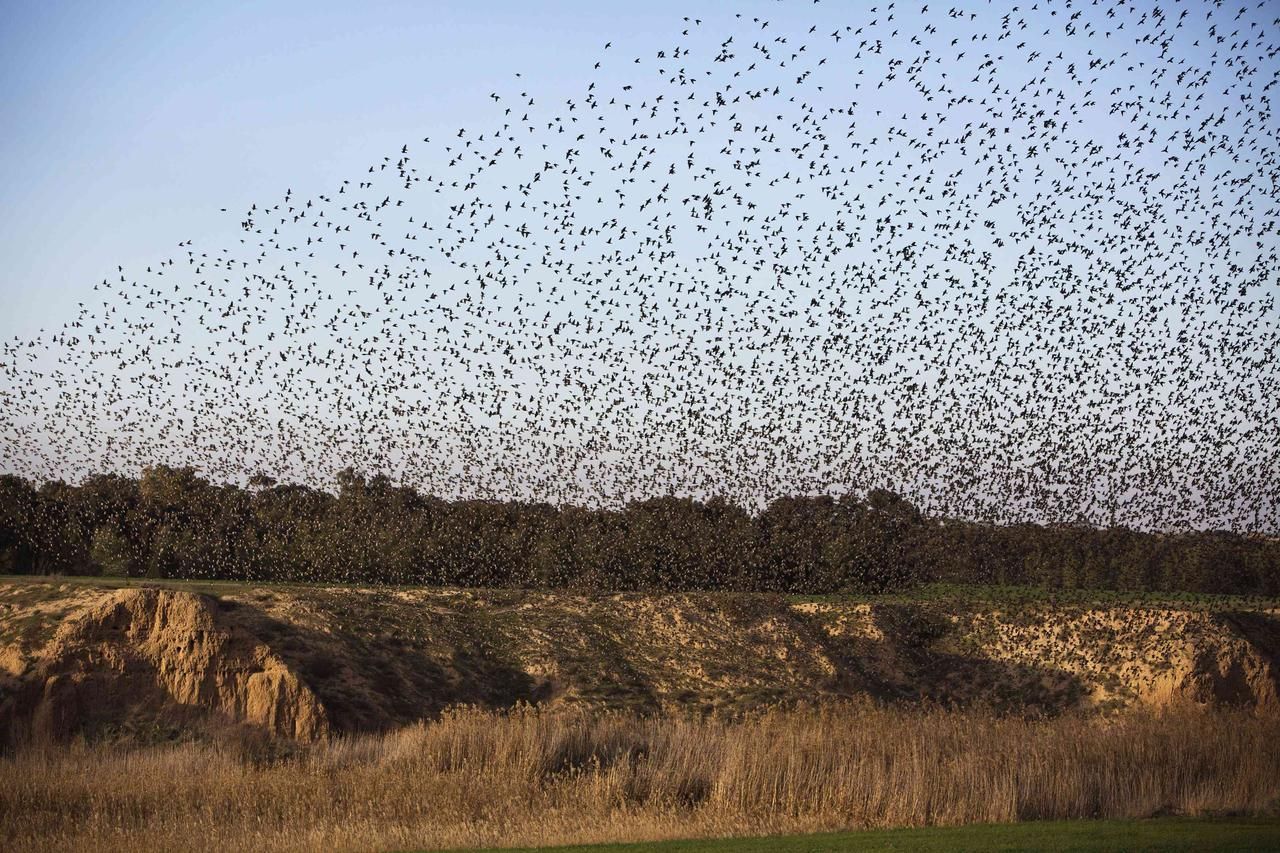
(967, 256)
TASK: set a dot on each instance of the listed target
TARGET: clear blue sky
(129, 124)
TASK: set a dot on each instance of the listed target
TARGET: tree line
(171, 523)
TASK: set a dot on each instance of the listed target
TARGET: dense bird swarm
(1016, 265)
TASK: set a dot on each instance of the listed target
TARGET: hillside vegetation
(306, 662)
(178, 715)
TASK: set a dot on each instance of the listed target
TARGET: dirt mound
(307, 662)
(159, 656)
(1138, 654)
(1243, 671)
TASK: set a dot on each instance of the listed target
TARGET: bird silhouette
(1017, 264)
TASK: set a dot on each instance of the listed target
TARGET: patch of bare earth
(143, 657)
(302, 663)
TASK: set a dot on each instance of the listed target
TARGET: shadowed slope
(302, 662)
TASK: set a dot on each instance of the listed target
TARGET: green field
(1163, 834)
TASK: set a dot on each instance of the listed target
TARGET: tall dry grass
(534, 777)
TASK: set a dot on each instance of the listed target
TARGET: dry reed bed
(534, 777)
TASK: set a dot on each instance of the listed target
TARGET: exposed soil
(305, 663)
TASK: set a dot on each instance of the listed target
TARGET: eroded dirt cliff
(129, 657)
(304, 663)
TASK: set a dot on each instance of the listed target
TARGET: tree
(111, 553)
(18, 515)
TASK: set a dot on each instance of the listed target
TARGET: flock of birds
(1013, 263)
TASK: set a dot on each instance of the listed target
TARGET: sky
(979, 314)
(130, 124)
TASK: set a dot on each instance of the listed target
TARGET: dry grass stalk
(531, 777)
